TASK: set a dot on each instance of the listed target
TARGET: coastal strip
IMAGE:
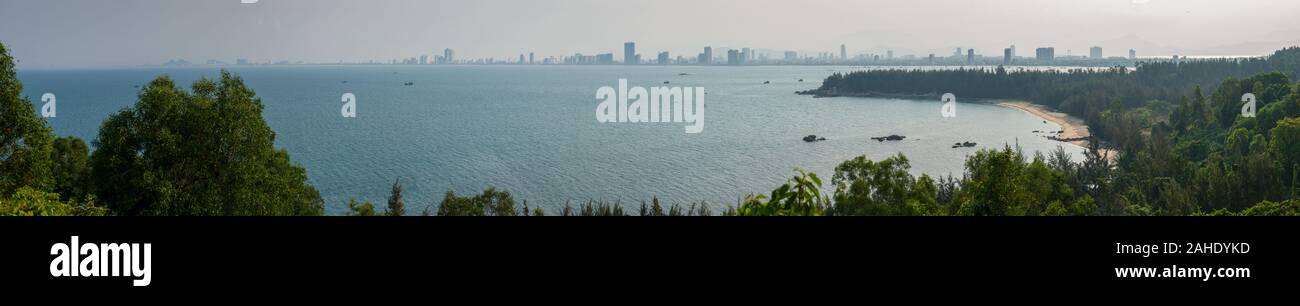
(1071, 127)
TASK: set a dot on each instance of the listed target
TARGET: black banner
(669, 253)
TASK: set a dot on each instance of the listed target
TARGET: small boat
(409, 84)
(666, 82)
(683, 73)
(813, 138)
(800, 80)
(767, 82)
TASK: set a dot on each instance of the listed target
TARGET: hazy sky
(78, 33)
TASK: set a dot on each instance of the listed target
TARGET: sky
(95, 33)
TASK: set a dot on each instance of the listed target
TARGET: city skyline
(135, 32)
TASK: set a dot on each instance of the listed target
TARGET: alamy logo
(349, 109)
(1248, 110)
(102, 260)
(949, 109)
(51, 107)
(656, 105)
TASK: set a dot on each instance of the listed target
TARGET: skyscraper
(663, 58)
(531, 59)
(424, 60)
(449, 56)
(733, 57)
(1006, 56)
(629, 53)
(1045, 54)
(1095, 53)
(970, 56)
(605, 59)
(844, 52)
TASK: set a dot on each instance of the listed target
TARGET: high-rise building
(1013, 52)
(931, 58)
(629, 53)
(970, 56)
(791, 56)
(1007, 56)
(956, 53)
(1095, 53)
(844, 52)
(449, 56)
(521, 59)
(1045, 54)
(708, 56)
(733, 57)
(605, 59)
(531, 58)
(424, 60)
(663, 58)
(889, 55)
(1132, 54)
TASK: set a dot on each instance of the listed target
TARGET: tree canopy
(203, 152)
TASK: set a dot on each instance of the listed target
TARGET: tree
(867, 188)
(25, 140)
(206, 152)
(996, 185)
(1285, 143)
(490, 203)
(800, 197)
(396, 207)
(71, 170)
(31, 203)
(361, 209)
(922, 200)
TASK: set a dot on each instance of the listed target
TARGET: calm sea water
(532, 130)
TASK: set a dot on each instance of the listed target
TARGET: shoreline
(1073, 128)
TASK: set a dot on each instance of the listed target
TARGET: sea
(533, 130)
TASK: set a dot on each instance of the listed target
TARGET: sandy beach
(1074, 128)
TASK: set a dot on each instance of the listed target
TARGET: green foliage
(490, 203)
(29, 202)
(1284, 142)
(885, 188)
(25, 140)
(207, 152)
(71, 158)
(1002, 183)
(396, 207)
(800, 197)
(361, 209)
(1289, 208)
